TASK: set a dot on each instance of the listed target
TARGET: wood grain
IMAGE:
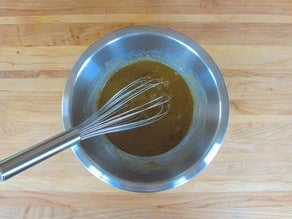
(243, 32)
(251, 41)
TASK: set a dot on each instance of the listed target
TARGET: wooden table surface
(251, 41)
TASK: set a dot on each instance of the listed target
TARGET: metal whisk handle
(37, 153)
(111, 117)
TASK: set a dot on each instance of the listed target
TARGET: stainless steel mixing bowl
(210, 115)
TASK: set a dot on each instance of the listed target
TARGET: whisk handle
(28, 157)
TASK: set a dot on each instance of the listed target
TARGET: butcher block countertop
(251, 41)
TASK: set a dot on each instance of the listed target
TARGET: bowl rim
(218, 138)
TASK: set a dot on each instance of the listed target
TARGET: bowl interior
(196, 150)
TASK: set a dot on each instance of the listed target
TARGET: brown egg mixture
(163, 135)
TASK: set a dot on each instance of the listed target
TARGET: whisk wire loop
(113, 116)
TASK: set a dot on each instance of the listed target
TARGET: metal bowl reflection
(210, 115)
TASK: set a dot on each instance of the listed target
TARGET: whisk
(114, 116)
